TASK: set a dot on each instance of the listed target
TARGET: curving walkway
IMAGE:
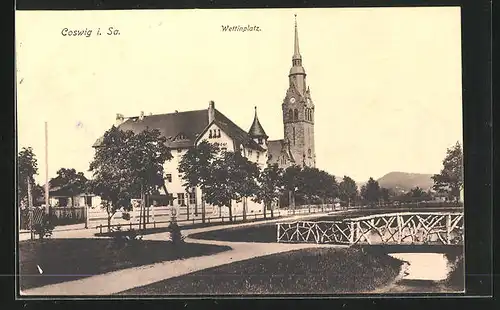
(121, 280)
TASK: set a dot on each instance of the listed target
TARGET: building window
(88, 201)
(309, 153)
(249, 153)
(192, 198)
(210, 135)
(260, 140)
(258, 156)
(296, 114)
(180, 199)
(168, 177)
(290, 114)
(170, 199)
(218, 133)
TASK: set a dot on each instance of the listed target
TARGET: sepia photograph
(235, 152)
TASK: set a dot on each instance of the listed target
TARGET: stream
(423, 271)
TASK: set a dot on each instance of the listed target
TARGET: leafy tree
(371, 191)
(270, 187)
(450, 179)
(308, 183)
(291, 181)
(348, 190)
(245, 175)
(70, 181)
(328, 188)
(195, 167)
(385, 194)
(127, 165)
(232, 177)
(418, 194)
(27, 168)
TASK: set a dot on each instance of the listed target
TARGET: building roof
(256, 129)
(183, 128)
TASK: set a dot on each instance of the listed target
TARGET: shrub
(45, 228)
(175, 233)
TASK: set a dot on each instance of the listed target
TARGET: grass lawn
(258, 233)
(308, 271)
(70, 259)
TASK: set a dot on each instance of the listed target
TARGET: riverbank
(306, 271)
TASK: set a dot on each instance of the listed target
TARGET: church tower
(298, 112)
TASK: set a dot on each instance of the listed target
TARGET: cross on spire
(296, 50)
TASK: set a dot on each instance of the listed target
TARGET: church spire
(296, 50)
(256, 130)
(297, 74)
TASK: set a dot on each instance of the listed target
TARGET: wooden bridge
(443, 228)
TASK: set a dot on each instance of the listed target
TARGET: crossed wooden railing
(393, 228)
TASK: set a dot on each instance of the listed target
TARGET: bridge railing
(393, 228)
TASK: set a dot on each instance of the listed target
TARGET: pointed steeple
(296, 50)
(256, 130)
(297, 74)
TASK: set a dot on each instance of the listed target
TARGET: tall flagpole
(46, 168)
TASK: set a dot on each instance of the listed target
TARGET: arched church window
(290, 114)
(296, 114)
(309, 153)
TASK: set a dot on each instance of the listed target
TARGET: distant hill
(404, 181)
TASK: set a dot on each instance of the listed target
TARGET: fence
(278, 213)
(68, 215)
(393, 228)
(30, 216)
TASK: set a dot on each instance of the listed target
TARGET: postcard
(239, 152)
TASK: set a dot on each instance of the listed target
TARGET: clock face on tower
(292, 100)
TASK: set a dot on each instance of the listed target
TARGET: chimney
(211, 112)
(141, 117)
(119, 119)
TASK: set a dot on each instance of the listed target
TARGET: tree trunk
(291, 203)
(230, 212)
(265, 209)
(272, 211)
(202, 209)
(244, 201)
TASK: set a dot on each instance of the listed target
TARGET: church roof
(256, 129)
(275, 148)
(186, 125)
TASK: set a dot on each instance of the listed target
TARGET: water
(425, 266)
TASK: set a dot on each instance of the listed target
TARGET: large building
(185, 130)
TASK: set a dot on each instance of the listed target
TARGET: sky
(386, 82)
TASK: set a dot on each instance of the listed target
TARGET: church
(184, 130)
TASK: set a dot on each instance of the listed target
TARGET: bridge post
(351, 236)
(278, 232)
(448, 229)
(400, 229)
